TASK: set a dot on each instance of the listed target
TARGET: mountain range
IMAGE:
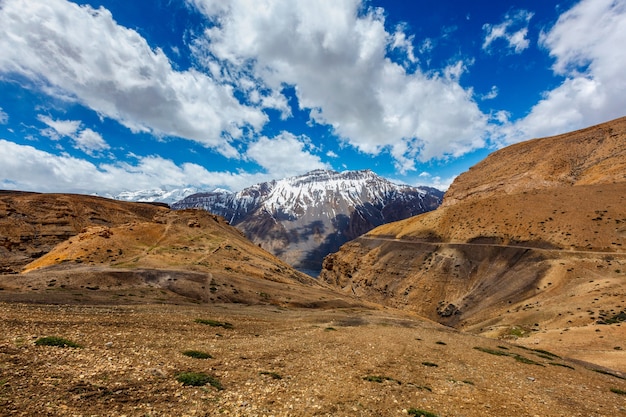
(304, 218)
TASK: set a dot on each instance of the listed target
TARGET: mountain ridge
(303, 218)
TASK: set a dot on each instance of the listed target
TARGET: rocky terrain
(529, 244)
(267, 360)
(302, 219)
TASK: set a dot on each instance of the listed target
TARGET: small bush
(56, 341)
(431, 364)
(273, 375)
(380, 379)
(492, 351)
(197, 354)
(522, 359)
(546, 353)
(198, 379)
(214, 323)
(618, 391)
(330, 329)
(440, 343)
(421, 413)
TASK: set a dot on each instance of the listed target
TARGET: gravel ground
(273, 361)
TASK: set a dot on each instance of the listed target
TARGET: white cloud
(27, 168)
(59, 128)
(4, 118)
(332, 154)
(425, 179)
(90, 142)
(80, 53)
(284, 155)
(585, 44)
(335, 55)
(84, 139)
(513, 30)
(493, 93)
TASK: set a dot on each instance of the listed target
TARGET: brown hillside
(529, 244)
(596, 155)
(31, 224)
(89, 249)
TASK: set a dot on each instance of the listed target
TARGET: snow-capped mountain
(302, 219)
(156, 195)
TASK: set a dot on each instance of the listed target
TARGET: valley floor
(276, 361)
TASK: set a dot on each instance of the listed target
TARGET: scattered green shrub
(546, 353)
(197, 354)
(380, 379)
(215, 323)
(56, 341)
(492, 351)
(421, 413)
(431, 364)
(273, 375)
(525, 360)
(198, 379)
(618, 391)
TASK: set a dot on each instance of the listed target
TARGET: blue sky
(116, 95)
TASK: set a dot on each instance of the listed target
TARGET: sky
(114, 95)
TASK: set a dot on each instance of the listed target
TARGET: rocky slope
(55, 245)
(302, 219)
(529, 243)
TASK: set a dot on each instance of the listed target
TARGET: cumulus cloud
(585, 44)
(284, 155)
(335, 54)
(4, 118)
(513, 30)
(85, 139)
(27, 168)
(80, 53)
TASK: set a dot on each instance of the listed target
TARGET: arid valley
(508, 300)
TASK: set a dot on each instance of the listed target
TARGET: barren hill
(108, 249)
(528, 244)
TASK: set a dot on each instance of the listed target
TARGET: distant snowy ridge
(302, 219)
(155, 195)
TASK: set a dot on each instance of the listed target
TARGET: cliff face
(529, 238)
